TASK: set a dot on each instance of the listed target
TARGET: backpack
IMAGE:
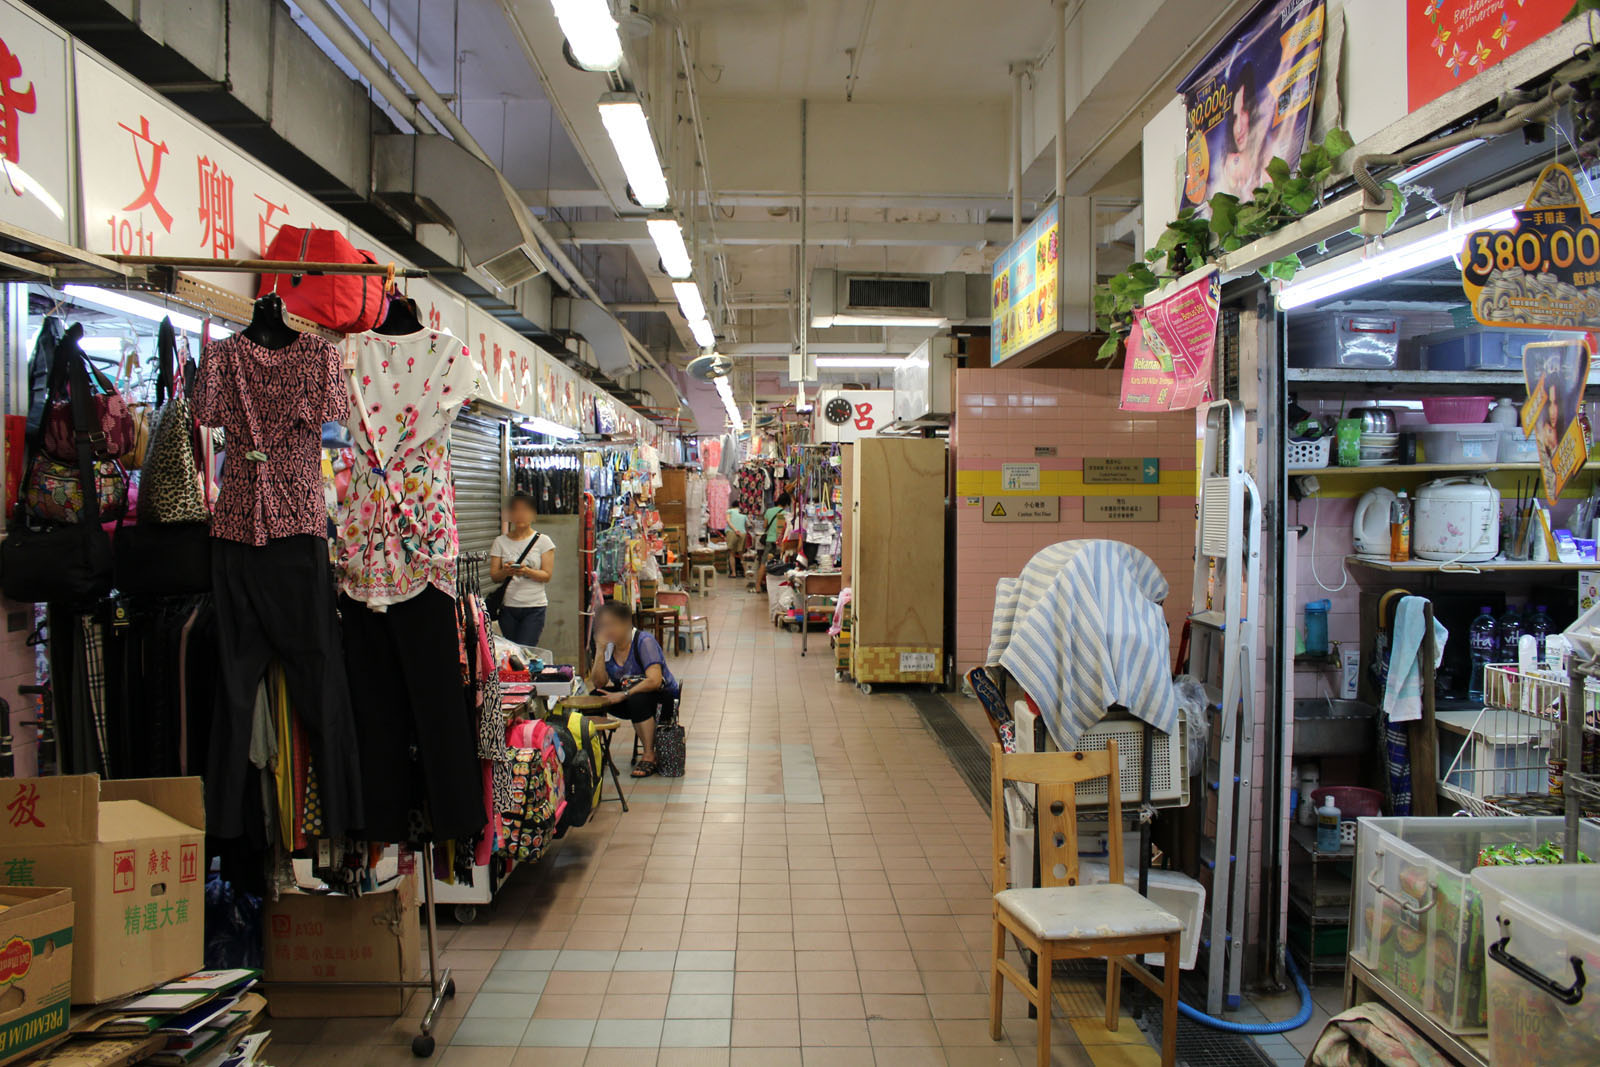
(582, 756)
(348, 303)
(536, 793)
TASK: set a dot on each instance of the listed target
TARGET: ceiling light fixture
(591, 33)
(930, 321)
(704, 335)
(625, 122)
(540, 424)
(668, 236)
(1420, 253)
(725, 391)
(690, 301)
(860, 362)
(111, 300)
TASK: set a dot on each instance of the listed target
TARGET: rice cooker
(1456, 520)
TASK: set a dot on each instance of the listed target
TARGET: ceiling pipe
(390, 49)
(1018, 72)
(1061, 99)
(338, 32)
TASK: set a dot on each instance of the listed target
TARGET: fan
(710, 367)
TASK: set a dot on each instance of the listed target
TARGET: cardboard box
(35, 968)
(312, 939)
(133, 854)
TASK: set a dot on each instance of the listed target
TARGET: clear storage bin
(1343, 339)
(1476, 442)
(1418, 919)
(1542, 938)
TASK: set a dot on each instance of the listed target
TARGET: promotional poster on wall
(1251, 100)
(1450, 41)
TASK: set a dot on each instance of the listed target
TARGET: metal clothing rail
(267, 266)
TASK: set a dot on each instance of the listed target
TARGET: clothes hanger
(267, 326)
(404, 317)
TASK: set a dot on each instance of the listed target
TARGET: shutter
(477, 465)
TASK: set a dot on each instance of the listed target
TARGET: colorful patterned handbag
(54, 490)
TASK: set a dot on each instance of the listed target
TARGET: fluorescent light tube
(625, 122)
(689, 300)
(122, 303)
(1433, 249)
(668, 236)
(591, 33)
(540, 424)
(862, 362)
(932, 321)
(725, 391)
(704, 335)
(111, 346)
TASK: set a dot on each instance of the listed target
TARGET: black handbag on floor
(671, 741)
(68, 563)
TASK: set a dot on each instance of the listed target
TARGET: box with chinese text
(312, 939)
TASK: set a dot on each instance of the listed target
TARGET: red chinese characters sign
(35, 191)
(1449, 41)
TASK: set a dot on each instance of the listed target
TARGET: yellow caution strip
(1071, 483)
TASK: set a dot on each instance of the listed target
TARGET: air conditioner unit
(860, 298)
(924, 381)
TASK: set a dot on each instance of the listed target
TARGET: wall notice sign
(1021, 509)
(1121, 509)
(918, 662)
(974, 501)
(1041, 451)
(1111, 470)
(1019, 477)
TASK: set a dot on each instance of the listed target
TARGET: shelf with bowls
(1414, 468)
(1440, 381)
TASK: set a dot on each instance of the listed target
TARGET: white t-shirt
(523, 592)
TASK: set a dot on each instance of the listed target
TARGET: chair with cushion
(1062, 920)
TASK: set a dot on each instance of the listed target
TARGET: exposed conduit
(334, 28)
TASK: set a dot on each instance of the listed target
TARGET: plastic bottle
(1317, 627)
(1539, 625)
(1482, 641)
(1328, 825)
(1400, 529)
(1508, 631)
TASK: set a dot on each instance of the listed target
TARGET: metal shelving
(1435, 381)
(1321, 902)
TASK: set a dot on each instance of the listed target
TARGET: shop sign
(1113, 470)
(1545, 270)
(1121, 509)
(1043, 451)
(1251, 100)
(559, 393)
(1450, 41)
(505, 362)
(1023, 298)
(841, 416)
(1555, 373)
(1172, 349)
(36, 193)
(1021, 509)
(156, 183)
(1019, 477)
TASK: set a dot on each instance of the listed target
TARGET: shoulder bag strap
(167, 357)
(86, 430)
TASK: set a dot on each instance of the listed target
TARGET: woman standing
(524, 559)
(776, 524)
(631, 674)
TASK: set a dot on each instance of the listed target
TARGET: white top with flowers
(397, 524)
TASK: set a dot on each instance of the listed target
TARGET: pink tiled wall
(1001, 416)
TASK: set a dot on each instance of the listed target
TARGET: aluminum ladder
(1222, 656)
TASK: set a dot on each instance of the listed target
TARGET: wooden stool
(703, 578)
(606, 727)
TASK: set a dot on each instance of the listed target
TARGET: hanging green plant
(1192, 240)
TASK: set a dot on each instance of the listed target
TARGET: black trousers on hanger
(276, 602)
(418, 740)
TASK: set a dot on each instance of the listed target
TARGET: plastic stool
(753, 572)
(704, 578)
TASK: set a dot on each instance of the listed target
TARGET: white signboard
(155, 182)
(35, 170)
(918, 662)
(505, 361)
(1019, 477)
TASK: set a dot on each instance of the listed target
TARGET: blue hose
(1301, 1017)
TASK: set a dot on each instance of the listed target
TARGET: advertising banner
(1556, 373)
(1172, 349)
(1449, 41)
(1251, 99)
(35, 178)
(1023, 298)
(1544, 271)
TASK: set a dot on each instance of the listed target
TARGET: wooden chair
(689, 625)
(1063, 920)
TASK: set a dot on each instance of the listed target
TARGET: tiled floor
(814, 891)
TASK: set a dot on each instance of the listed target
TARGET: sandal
(644, 768)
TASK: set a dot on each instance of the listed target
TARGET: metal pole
(805, 274)
(1061, 101)
(1018, 70)
(324, 18)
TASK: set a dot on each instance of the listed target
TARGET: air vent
(513, 267)
(898, 294)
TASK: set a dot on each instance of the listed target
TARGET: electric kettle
(1370, 531)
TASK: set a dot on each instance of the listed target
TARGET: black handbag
(70, 563)
(164, 559)
(496, 600)
(671, 740)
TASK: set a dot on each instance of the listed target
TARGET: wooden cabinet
(847, 503)
(897, 538)
(672, 495)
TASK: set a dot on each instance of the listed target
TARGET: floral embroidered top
(397, 522)
(272, 403)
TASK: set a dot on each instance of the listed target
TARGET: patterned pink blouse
(397, 522)
(272, 403)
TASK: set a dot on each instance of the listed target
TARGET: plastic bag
(1191, 697)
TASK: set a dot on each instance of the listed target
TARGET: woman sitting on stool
(631, 674)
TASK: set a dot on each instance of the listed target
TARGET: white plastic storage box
(1178, 893)
(1541, 934)
(1418, 920)
(1460, 442)
(1343, 339)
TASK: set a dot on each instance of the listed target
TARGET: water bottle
(1482, 641)
(1539, 625)
(1508, 631)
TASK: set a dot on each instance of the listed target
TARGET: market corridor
(814, 890)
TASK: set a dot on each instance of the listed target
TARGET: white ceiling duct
(866, 298)
(608, 347)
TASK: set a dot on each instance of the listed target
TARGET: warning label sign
(1021, 509)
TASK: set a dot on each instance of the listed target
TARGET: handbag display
(349, 303)
(112, 434)
(170, 490)
(69, 563)
(54, 490)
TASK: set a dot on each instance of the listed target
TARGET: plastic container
(1344, 339)
(1517, 447)
(1540, 925)
(1460, 443)
(1442, 411)
(1308, 455)
(1354, 801)
(1317, 627)
(1419, 922)
(1178, 893)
